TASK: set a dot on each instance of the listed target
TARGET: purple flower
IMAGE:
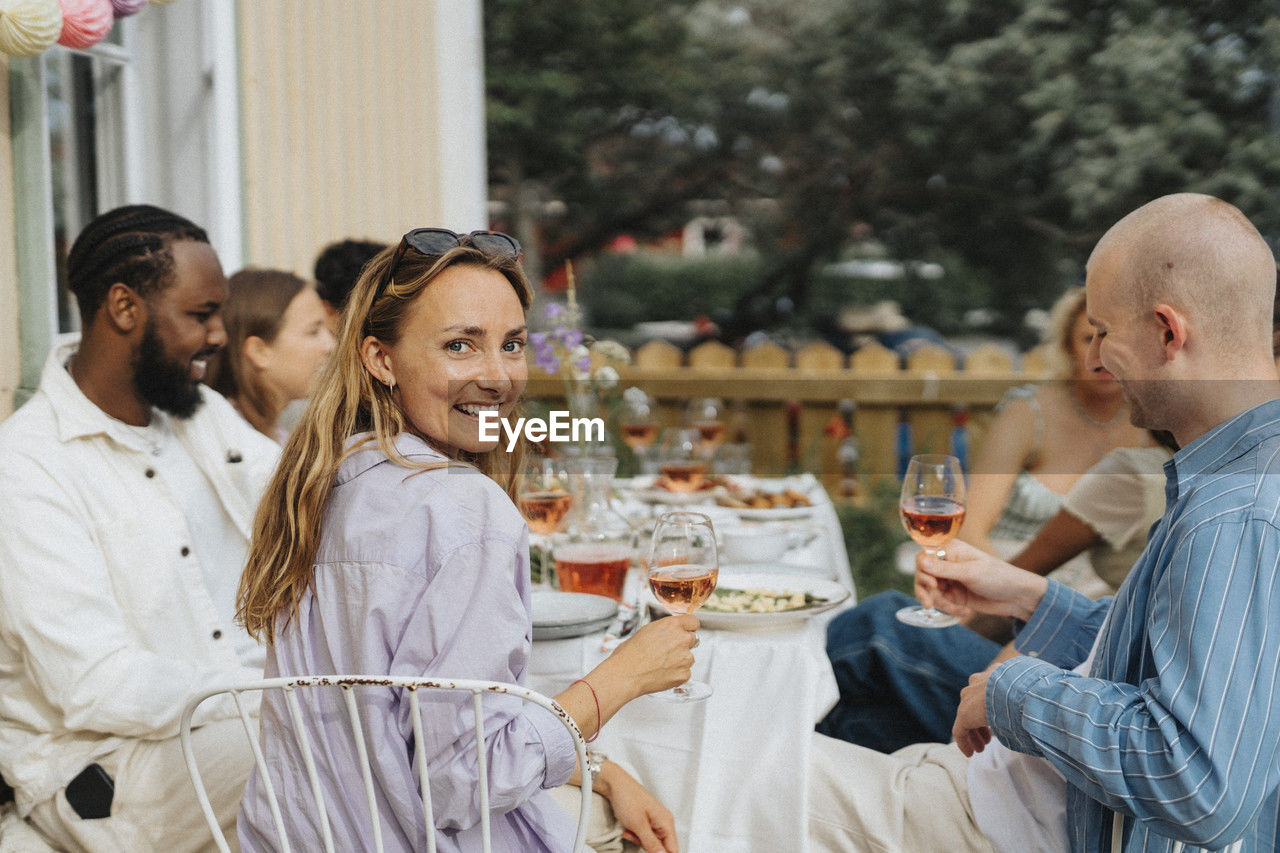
(583, 364)
(545, 358)
(538, 338)
(554, 310)
(572, 338)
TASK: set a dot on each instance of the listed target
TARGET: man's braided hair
(129, 245)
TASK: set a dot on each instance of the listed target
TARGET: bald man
(1145, 722)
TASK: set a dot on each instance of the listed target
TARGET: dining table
(733, 769)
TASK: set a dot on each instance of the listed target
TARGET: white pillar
(462, 167)
(226, 184)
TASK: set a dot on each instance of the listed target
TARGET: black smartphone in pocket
(90, 793)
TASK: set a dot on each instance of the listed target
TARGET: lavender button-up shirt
(417, 574)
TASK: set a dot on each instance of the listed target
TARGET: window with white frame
(150, 115)
(85, 105)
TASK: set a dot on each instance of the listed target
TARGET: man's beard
(164, 383)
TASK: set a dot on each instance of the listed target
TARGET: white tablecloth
(732, 769)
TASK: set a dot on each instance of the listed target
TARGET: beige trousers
(604, 833)
(155, 806)
(915, 799)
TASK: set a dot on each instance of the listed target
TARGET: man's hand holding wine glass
(967, 581)
(970, 581)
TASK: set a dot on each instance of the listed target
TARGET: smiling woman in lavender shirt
(388, 543)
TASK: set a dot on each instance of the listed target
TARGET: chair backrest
(291, 686)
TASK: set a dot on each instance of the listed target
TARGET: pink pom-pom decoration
(85, 22)
(29, 27)
(125, 8)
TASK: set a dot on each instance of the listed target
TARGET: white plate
(826, 573)
(557, 615)
(664, 496)
(777, 513)
(734, 578)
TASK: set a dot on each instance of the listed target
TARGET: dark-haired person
(127, 494)
(338, 267)
(278, 340)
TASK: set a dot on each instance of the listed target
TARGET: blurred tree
(590, 114)
(1016, 131)
(1009, 133)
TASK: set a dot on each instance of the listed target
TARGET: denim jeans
(899, 684)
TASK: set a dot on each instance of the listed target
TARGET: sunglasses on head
(436, 241)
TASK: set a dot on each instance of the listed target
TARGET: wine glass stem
(941, 554)
(680, 689)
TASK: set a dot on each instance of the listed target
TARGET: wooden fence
(784, 401)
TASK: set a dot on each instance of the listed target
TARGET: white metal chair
(290, 687)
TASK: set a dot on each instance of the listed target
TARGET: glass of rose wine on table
(545, 500)
(684, 465)
(932, 509)
(707, 416)
(544, 496)
(638, 422)
(682, 567)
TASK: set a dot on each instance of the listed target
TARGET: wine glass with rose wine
(639, 424)
(684, 467)
(544, 497)
(707, 416)
(545, 500)
(682, 569)
(932, 509)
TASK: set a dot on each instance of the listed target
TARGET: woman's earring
(391, 386)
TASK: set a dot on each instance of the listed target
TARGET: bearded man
(127, 493)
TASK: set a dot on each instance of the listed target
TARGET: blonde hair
(1062, 322)
(347, 402)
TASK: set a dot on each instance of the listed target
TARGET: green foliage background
(871, 536)
(1003, 136)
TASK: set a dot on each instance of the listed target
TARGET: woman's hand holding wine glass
(682, 569)
(657, 657)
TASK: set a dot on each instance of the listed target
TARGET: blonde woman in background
(277, 343)
(1044, 438)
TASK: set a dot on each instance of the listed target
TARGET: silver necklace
(1083, 413)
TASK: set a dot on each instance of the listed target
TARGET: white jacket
(106, 626)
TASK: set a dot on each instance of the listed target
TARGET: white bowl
(754, 543)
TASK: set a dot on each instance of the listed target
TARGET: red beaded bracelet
(599, 724)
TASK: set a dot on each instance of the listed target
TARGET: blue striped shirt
(1177, 727)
